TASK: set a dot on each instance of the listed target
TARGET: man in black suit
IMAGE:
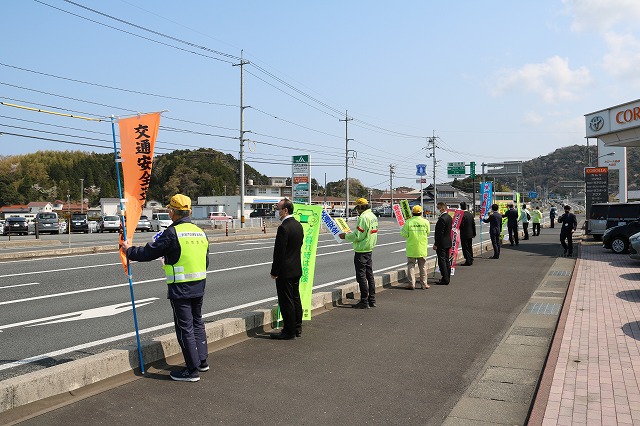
(494, 219)
(286, 269)
(467, 234)
(512, 224)
(442, 243)
(569, 226)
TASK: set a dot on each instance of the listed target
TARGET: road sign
(456, 169)
(533, 194)
(421, 180)
(472, 169)
(421, 169)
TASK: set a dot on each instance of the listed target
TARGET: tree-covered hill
(50, 175)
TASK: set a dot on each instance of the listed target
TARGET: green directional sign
(472, 169)
(456, 169)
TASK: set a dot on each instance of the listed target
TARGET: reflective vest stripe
(184, 277)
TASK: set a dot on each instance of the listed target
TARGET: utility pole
(242, 107)
(432, 144)
(81, 195)
(346, 161)
(391, 172)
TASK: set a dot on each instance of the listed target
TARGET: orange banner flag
(137, 141)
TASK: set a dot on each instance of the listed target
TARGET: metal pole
(391, 186)
(81, 197)
(124, 238)
(346, 162)
(435, 188)
(242, 107)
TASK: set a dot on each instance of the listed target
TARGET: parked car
(603, 216)
(160, 221)
(384, 211)
(337, 212)
(16, 226)
(79, 223)
(108, 224)
(634, 246)
(220, 217)
(47, 222)
(617, 238)
(144, 224)
(261, 213)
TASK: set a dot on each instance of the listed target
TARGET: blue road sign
(533, 194)
(421, 169)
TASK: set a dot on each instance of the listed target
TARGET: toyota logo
(596, 123)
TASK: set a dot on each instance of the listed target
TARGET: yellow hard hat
(361, 202)
(416, 210)
(180, 202)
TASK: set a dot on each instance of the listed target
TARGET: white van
(160, 221)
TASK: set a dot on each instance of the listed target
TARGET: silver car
(109, 224)
(634, 246)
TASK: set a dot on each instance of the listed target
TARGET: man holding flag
(185, 249)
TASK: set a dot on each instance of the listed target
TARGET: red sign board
(300, 179)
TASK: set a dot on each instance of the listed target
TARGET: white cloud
(603, 15)
(623, 57)
(552, 80)
(532, 118)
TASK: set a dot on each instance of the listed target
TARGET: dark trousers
(443, 264)
(187, 317)
(568, 244)
(513, 234)
(536, 228)
(288, 290)
(525, 228)
(495, 242)
(553, 221)
(364, 276)
(467, 249)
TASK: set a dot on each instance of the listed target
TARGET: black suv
(617, 238)
(261, 213)
(79, 223)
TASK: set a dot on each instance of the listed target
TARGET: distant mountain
(548, 172)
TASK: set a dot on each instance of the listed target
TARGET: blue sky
(494, 81)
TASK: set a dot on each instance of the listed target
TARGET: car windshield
(48, 216)
(111, 218)
(16, 219)
(164, 216)
(78, 217)
(144, 218)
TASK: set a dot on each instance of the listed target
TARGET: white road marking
(103, 311)
(17, 285)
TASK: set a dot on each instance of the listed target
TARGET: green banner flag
(406, 210)
(310, 218)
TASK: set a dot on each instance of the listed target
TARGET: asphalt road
(58, 309)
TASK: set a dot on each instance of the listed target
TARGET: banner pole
(124, 236)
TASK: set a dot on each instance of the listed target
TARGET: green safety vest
(416, 230)
(365, 237)
(192, 265)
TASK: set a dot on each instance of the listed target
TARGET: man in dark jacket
(442, 243)
(494, 219)
(512, 224)
(286, 269)
(467, 234)
(569, 225)
(185, 249)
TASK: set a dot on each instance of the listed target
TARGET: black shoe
(526, 238)
(298, 333)
(466, 264)
(204, 366)
(361, 305)
(282, 336)
(372, 304)
(185, 375)
(442, 282)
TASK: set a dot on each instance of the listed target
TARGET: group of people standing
(184, 248)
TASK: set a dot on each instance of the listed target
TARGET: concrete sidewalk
(467, 353)
(593, 372)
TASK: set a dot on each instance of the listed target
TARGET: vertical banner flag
(331, 225)
(137, 140)
(455, 237)
(406, 210)
(487, 198)
(310, 217)
(399, 217)
(502, 208)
